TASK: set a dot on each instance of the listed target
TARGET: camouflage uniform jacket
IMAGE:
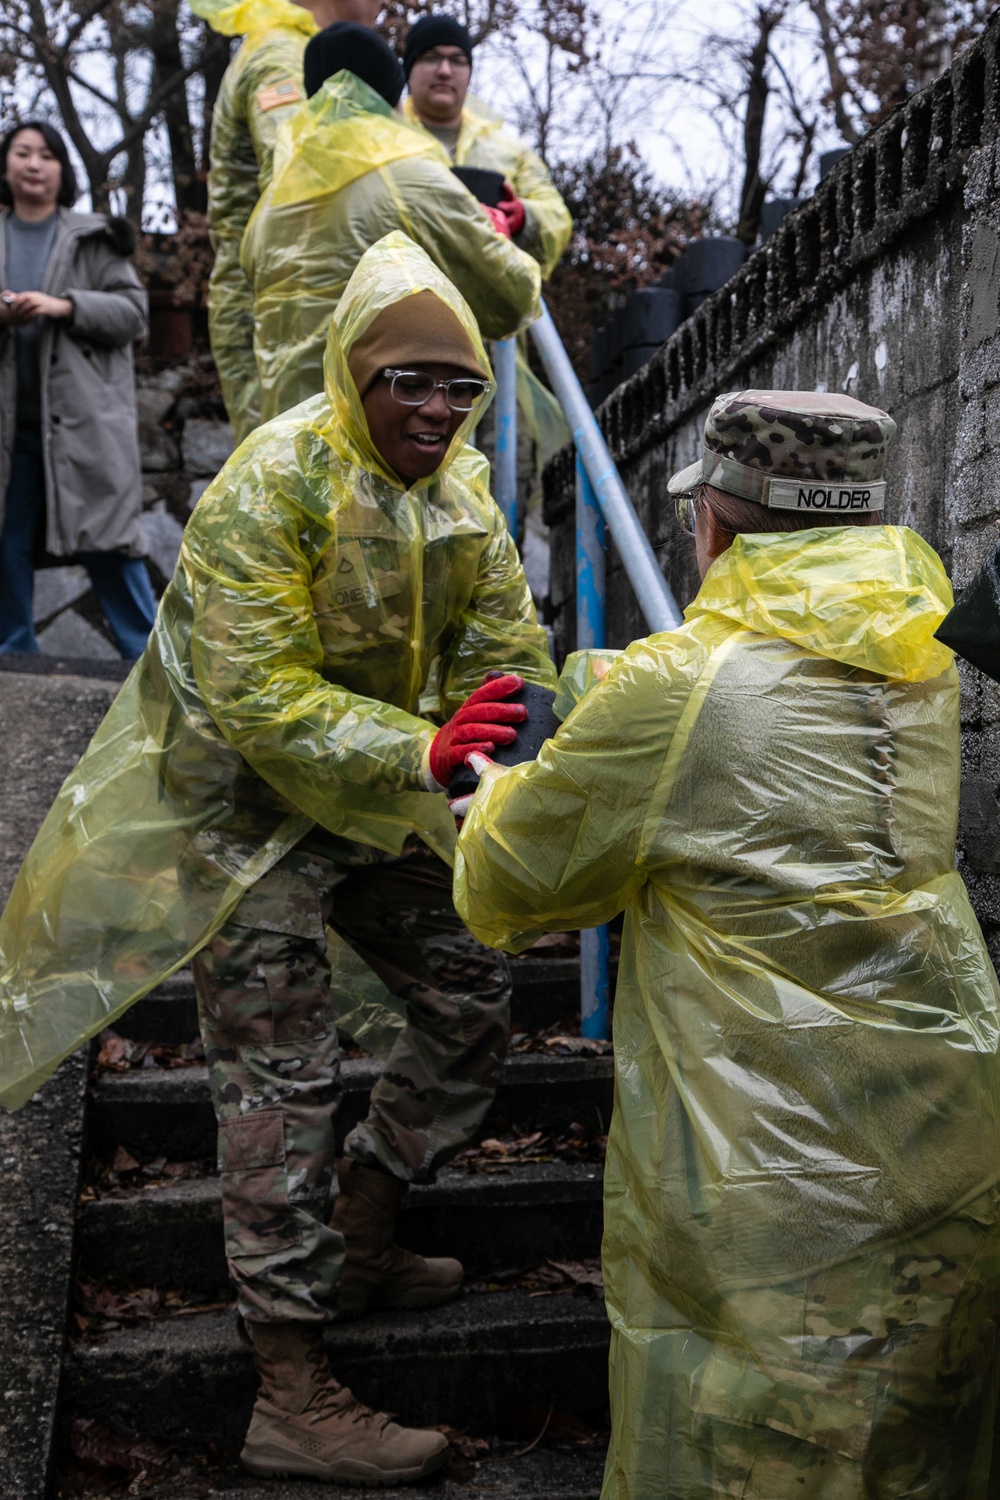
(281, 688)
(261, 87)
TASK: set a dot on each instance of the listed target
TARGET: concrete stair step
(548, 1472)
(545, 991)
(475, 1364)
(170, 1234)
(156, 1112)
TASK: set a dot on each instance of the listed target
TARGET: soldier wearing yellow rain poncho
(262, 86)
(802, 1247)
(348, 170)
(263, 774)
(437, 61)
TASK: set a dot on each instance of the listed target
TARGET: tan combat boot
(304, 1423)
(376, 1272)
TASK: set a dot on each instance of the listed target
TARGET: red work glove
(498, 219)
(482, 723)
(512, 209)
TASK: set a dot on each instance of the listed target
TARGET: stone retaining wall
(184, 440)
(885, 284)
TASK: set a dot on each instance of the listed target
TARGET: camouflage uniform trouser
(907, 1401)
(274, 1065)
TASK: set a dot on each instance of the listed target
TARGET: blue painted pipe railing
(591, 632)
(602, 505)
(505, 407)
(638, 559)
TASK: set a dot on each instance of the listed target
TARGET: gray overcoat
(93, 477)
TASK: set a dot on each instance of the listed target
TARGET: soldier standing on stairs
(437, 61)
(270, 768)
(261, 87)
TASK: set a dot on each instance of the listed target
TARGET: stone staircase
(501, 1359)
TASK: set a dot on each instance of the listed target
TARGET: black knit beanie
(434, 31)
(345, 44)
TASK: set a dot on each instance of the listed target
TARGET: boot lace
(334, 1399)
(396, 1260)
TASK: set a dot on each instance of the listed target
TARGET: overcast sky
(689, 142)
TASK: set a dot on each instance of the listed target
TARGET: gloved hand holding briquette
(512, 209)
(483, 722)
(499, 220)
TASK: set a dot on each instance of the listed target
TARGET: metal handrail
(505, 407)
(602, 503)
(657, 603)
(591, 631)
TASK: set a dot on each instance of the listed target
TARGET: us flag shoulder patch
(277, 94)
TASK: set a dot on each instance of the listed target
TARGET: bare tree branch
(80, 24)
(840, 90)
(807, 127)
(754, 186)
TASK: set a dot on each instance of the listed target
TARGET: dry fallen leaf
(124, 1162)
(581, 1272)
(471, 1448)
(581, 1278)
(120, 1054)
(575, 1144)
(586, 1046)
(101, 1307)
(107, 1450)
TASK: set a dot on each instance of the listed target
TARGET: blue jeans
(121, 584)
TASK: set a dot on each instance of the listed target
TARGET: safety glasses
(686, 509)
(414, 388)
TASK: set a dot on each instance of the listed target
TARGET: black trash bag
(540, 725)
(972, 628)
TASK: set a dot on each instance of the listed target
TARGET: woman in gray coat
(70, 478)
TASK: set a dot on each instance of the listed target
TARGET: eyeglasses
(686, 510)
(436, 60)
(415, 388)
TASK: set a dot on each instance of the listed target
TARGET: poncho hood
(344, 131)
(392, 270)
(871, 597)
(251, 17)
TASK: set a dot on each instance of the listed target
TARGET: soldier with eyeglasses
(437, 61)
(346, 625)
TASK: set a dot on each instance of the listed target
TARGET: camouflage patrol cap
(794, 450)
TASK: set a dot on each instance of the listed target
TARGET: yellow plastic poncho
(484, 141)
(279, 689)
(348, 171)
(262, 86)
(801, 1249)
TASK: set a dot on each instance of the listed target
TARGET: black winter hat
(434, 31)
(345, 44)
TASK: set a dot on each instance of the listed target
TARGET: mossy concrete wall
(885, 284)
